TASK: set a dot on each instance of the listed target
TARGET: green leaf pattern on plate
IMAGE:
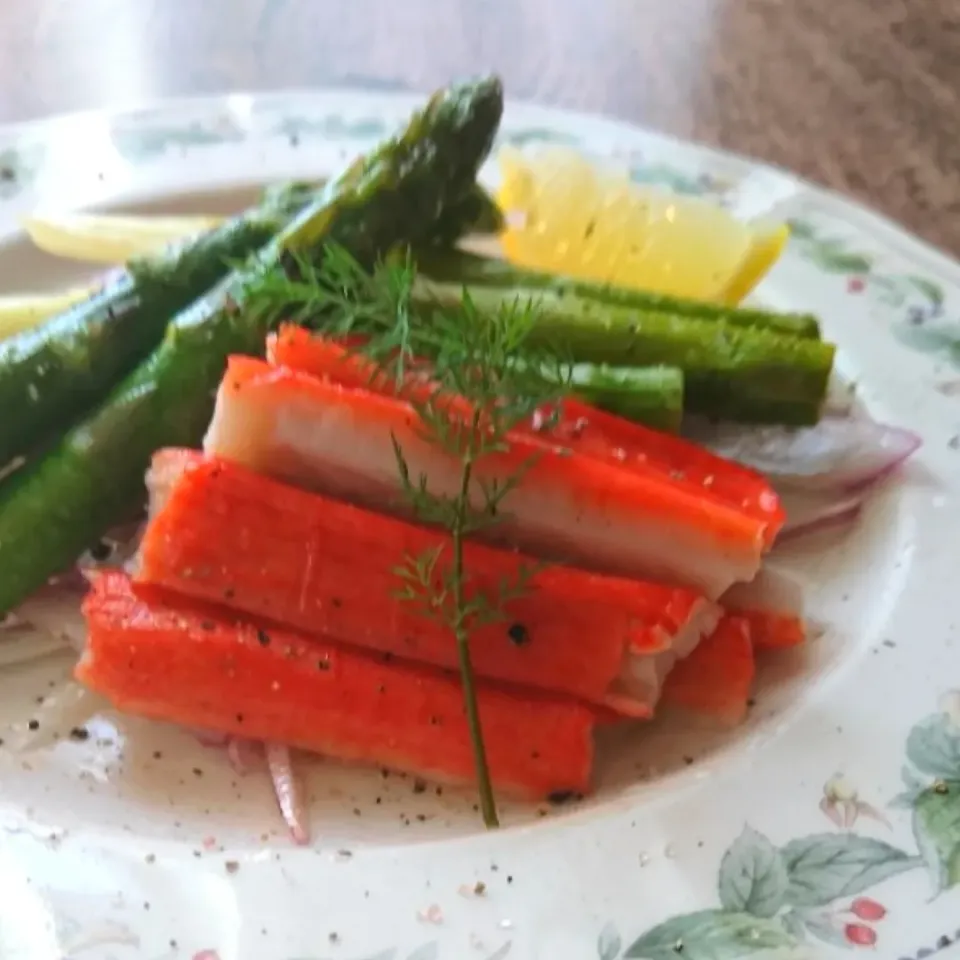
(918, 304)
(710, 935)
(609, 943)
(332, 127)
(827, 866)
(811, 890)
(753, 877)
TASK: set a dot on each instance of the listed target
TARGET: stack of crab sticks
(263, 602)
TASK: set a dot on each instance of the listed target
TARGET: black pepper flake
(381, 688)
(7, 174)
(422, 817)
(559, 797)
(479, 888)
(324, 664)
(101, 551)
(379, 800)
(229, 593)
(157, 755)
(334, 937)
(434, 721)
(509, 878)
(263, 638)
(386, 657)
(688, 761)
(439, 791)
(751, 702)
(419, 786)
(79, 733)
(231, 866)
(519, 635)
(239, 718)
(34, 724)
(356, 811)
(197, 772)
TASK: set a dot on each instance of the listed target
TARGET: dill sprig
(485, 379)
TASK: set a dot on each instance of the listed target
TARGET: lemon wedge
(110, 239)
(565, 215)
(19, 312)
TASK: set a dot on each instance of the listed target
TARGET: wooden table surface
(863, 96)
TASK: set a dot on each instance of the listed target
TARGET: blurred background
(863, 96)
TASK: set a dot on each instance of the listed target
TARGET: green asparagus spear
(649, 395)
(460, 267)
(53, 373)
(731, 372)
(55, 507)
(476, 213)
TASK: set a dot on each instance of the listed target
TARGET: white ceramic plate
(829, 820)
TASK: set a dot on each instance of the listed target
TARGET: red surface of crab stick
(575, 425)
(717, 677)
(774, 631)
(220, 532)
(198, 667)
(340, 441)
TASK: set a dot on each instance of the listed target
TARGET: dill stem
(488, 803)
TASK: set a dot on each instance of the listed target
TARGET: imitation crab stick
(574, 425)
(340, 442)
(198, 667)
(222, 533)
(715, 680)
(774, 631)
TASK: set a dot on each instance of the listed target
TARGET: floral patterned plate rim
(828, 823)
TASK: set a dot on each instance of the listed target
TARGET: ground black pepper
(518, 634)
(559, 797)
(101, 551)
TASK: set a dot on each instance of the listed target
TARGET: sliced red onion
(289, 796)
(841, 397)
(774, 588)
(839, 453)
(242, 754)
(53, 613)
(209, 738)
(813, 512)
